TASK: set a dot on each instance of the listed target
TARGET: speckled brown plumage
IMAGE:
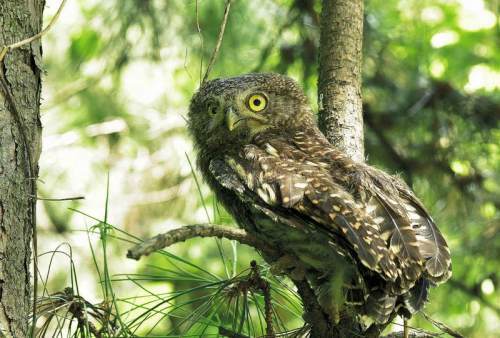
(361, 236)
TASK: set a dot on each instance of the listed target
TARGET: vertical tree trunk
(19, 145)
(339, 99)
(339, 85)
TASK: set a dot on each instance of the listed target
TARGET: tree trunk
(339, 85)
(339, 99)
(20, 132)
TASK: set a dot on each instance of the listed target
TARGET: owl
(360, 237)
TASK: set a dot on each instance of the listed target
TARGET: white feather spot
(267, 194)
(300, 185)
(271, 150)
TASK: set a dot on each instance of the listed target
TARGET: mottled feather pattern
(430, 242)
(414, 228)
(418, 295)
(415, 244)
(402, 240)
(308, 189)
(278, 179)
(379, 305)
(282, 180)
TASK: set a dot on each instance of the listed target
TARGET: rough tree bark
(19, 145)
(339, 84)
(339, 94)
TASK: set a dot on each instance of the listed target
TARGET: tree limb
(184, 233)
(320, 324)
(313, 315)
(412, 334)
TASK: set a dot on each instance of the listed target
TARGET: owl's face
(229, 112)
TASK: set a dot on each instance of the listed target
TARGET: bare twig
(60, 199)
(411, 334)
(443, 327)
(6, 49)
(264, 286)
(197, 14)
(198, 230)
(71, 306)
(219, 40)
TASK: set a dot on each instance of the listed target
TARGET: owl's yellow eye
(257, 102)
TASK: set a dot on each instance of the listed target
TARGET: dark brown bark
(339, 85)
(20, 131)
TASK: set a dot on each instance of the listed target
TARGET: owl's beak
(231, 118)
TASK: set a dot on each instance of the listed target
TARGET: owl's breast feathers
(377, 215)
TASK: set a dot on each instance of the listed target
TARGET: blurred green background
(119, 77)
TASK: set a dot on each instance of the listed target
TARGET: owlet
(361, 237)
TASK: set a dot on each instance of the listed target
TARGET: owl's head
(230, 112)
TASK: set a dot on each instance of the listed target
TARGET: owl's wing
(407, 221)
(308, 190)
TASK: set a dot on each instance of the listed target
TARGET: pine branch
(320, 324)
(198, 230)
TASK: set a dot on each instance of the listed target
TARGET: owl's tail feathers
(415, 299)
(379, 306)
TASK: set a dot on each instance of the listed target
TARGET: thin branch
(265, 287)
(411, 334)
(197, 14)
(198, 230)
(219, 40)
(60, 199)
(6, 49)
(443, 327)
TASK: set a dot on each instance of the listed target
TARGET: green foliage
(119, 78)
